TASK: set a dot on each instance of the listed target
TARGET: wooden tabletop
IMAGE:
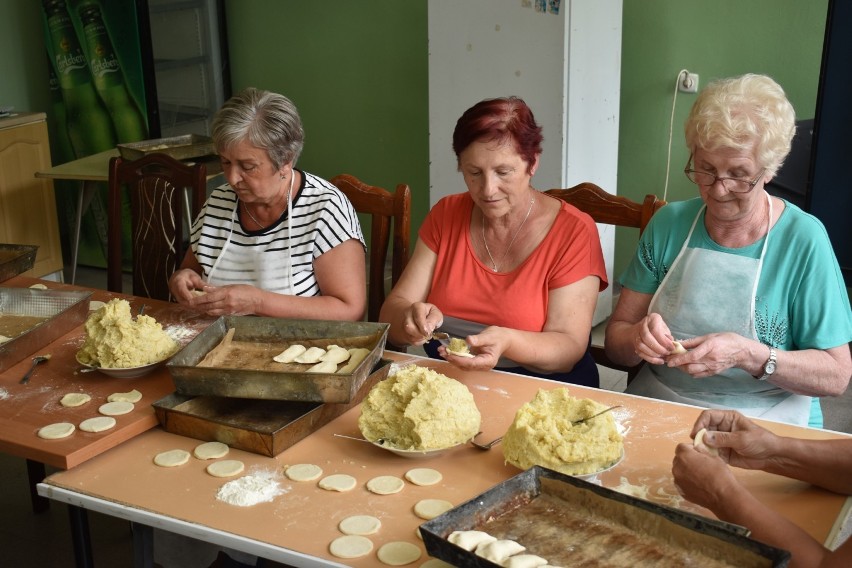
(90, 168)
(24, 409)
(303, 521)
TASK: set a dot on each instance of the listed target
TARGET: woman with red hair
(513, 271)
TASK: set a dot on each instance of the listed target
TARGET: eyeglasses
(734, 185)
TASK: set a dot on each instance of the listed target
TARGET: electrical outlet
(688, 82)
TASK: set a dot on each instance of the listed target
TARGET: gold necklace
(494, 266)
(289, 193)
(256, 222)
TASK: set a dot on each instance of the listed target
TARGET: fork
(604, 411)
(36, 360)
(488, 445)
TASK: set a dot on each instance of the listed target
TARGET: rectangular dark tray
(706, 534)
(266, 427)
(16, 259)
(178, 147)
(190, 379)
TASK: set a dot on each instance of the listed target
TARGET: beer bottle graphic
(88, 124)
(106, 70)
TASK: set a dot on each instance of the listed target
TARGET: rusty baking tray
(178, 147)
(16, 259)
(595, 525)
(266, 427)
(251, 373)
(62, 311)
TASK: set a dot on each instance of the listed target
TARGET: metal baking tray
(16, 259)
(634, 518)
(266, 427)
(267, 337)
(64, 310)
(178, 147)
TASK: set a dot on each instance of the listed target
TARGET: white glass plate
(124, 372)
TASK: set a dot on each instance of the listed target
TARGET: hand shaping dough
(459, 348)
(385, 485)
(498, 550)
(338, 482)
(97, 424)
(115, 408)
(74, 399)
(132, 396)
(327, 367)
(210, 450)
(290, 354)
(350, 546)
(171, 458)
(303, 472)
(698, 442)
(398, 553)
(430, 508)
(469, 540)
(678, 348)
(225, 468)
(360, 524)
(356, 355)
(56, 431)
(336, 355)
(310, 356)
(423, 476)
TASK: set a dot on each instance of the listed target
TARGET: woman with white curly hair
(735, 298)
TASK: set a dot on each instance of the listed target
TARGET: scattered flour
(179, 332)
(261, 487)
(4, 394)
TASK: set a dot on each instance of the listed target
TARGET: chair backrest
(390, 215)
(616, 210)
(157, 185)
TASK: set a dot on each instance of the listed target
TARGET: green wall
(719, 38)
(357, 71)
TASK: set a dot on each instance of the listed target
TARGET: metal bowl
(592, 476)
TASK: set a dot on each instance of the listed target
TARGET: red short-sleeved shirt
(463, 287)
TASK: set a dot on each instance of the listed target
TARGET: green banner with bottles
(98, 94)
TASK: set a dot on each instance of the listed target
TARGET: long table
(297, 527)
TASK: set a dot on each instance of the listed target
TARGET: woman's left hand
(708, 355)
(487, 347)
(231, 300)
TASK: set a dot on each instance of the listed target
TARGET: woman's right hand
(652, 340)
(420, 319)
(183, 283)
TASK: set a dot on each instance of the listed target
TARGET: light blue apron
(707, 291)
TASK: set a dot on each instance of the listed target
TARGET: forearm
(825, 463)
(546, 351)
(811, 372)
(619, 343)
(393, 312)
(271, 304)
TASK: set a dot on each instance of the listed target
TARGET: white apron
(707, 291)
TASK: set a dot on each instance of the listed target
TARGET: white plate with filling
(124, 372)
(413, 453)
(594, 474)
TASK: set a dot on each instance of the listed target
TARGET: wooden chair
(615, 210)
(383, 207)
(158, 207)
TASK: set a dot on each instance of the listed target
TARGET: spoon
(488, 446)
(36, 360)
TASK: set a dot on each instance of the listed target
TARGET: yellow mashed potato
(115, 340)
(419, 409)
(543, 434)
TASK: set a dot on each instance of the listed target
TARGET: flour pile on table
(115, 340)
(260, 487)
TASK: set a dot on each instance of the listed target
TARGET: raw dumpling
(499, 550)
(310, 356)
(356, 355)
(335, 354)
(469, 540)
(323, 367)
(290, 354)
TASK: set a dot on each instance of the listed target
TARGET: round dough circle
(97, 424)
(171, 458)
(132, 396)
(385, 485)
(398, 553)
(430, 508)
(225, 468)
(360, 525)
(423, 476)
(698, 442)
(210, 450)
(56, 431)
(74, 399)
(350, 546)
(115, 408)
(303, 472)
(435, 563)
(338, 482)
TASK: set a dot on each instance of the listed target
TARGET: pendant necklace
(252, 217)
(494, 266)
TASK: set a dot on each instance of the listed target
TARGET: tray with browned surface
(31, 319)
(571, 522)
(234, 357)
(265, 427)
(178, 147)
(16, 259)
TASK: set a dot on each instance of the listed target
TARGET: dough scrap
(360, 525)
(171, 458)
(56, 431)
(132, 396)
(469, 540)
(678, 348)
(74, 399)
(303, 472)
(95, 305)
(310, 356)
(336, 355)
(524, 561)
(350, 546)
(385, 485)
(323, 367)
(699, 444)
(97, 424)
(499, 550)
(226, 468)
(39, 286)
(338, 482)
(211, 450)
(356, 355)
(398, 553)
(115, 408)
(4, 339)
(423, 476)
(430, 508)
(290, 354)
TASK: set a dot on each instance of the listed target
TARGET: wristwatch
(769, 366)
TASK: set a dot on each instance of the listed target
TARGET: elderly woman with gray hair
(735, 298)
(274, 241)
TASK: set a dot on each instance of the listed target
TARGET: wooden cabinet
(27, 204)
